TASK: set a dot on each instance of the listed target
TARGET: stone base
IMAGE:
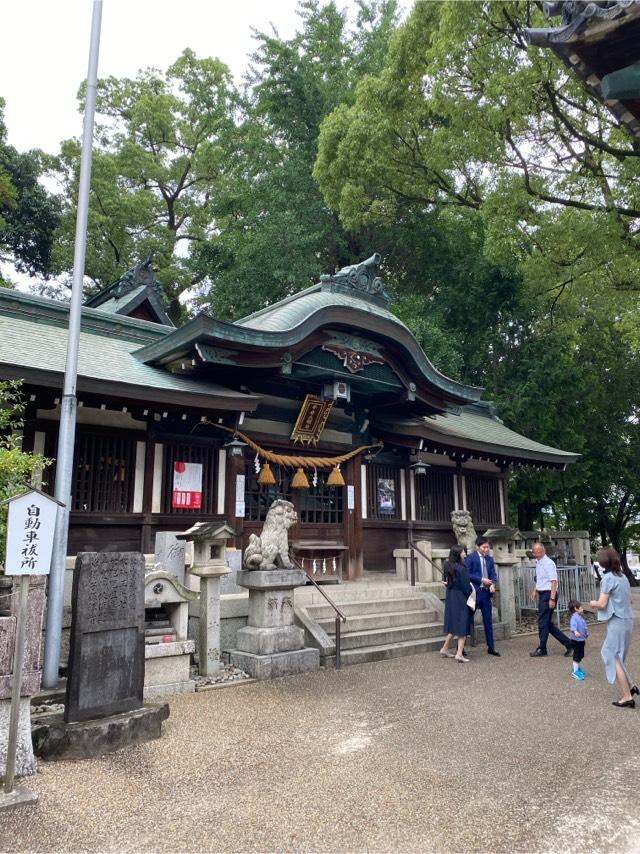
(271, 640)
(25, 760)
(55, 739)
(21, 796)
(183, 687)
(279, 664)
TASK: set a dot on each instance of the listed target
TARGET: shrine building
(325, 398)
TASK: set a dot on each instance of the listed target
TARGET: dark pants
(546, 626)
(483, 604)
(578, 650)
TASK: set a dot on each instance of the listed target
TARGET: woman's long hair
(453, 561)
(609, 560)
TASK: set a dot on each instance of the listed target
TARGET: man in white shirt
(546, 591)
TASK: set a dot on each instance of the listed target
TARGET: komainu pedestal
(271, 645)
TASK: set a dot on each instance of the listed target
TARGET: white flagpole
(67, 434)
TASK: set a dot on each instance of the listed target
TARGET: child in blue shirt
(578, 633)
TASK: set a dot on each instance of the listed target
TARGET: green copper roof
(478, 430)
(294, 310)
(33, 345)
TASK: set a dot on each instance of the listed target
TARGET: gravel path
(416, 754)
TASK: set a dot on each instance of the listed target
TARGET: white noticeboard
(240, 486)
(187, 485)
(351, 497)
(30, 527)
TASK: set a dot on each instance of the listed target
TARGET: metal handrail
(339, 614)
(415, 547)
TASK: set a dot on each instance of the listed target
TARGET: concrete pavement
(412, 754)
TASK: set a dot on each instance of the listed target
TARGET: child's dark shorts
(578, 650)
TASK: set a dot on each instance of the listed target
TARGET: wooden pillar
(235, 467)
(354, 560)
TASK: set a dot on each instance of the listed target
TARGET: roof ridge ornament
(576, 16)
(362, 278)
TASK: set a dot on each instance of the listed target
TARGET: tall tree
(162, 141)
(29, 214)
(276, 234)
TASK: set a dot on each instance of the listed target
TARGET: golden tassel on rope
(335, 477)
(300, 479)
(266, 476)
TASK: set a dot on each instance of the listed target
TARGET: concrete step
(359, 607)
(380, 652)
(385, 620)
(383, 637)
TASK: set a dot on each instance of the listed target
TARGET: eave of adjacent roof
(33, 342)
(481, 433)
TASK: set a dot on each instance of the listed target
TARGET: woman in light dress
(614, 607)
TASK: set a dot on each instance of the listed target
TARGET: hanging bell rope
(266, 476)
(297, 461)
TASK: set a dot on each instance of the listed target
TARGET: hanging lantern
(266, 476)
(335, 478)
(300, 479)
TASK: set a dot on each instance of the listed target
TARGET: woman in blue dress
(456, 611)
(614, 607)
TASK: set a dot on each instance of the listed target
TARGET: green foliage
(28, 213)
(17, 467)
(275, 233)
(159, 159)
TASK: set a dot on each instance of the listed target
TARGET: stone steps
(381, 624)
(380, 652)
(361, 607)
(385, 620)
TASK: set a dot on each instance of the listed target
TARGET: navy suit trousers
(483, 604)
(546, 626)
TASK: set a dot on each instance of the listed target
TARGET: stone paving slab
(412, 754)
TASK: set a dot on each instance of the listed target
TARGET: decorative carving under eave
(362, 277)
(353, 360)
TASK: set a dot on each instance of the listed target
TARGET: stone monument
(271, 645)
(106, 659)
(169, 554)
(104, 707)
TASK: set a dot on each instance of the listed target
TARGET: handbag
(471, 601)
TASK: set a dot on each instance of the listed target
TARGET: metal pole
(67, 433)
(338, 663)
(18, 661)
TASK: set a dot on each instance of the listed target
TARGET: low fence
(574, 582)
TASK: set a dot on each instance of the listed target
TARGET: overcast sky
(45, 50)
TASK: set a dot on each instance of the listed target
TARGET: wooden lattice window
(434, 495)
(383, 491)
(207, 456)
(321, 504)
(103, 473)
(258, 497)
(483, 499)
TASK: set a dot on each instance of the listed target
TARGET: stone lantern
(503, 546)
(210, 565)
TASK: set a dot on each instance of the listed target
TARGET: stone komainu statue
(462, 524)
(271, 549)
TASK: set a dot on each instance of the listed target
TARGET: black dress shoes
(625, 704)
(538, 653)
(568, 651)
(634, 689)
(492, 651)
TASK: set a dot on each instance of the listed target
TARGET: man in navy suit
(482, 572)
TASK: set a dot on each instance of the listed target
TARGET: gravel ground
(415, 754)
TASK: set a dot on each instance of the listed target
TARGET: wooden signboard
(311, 420)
